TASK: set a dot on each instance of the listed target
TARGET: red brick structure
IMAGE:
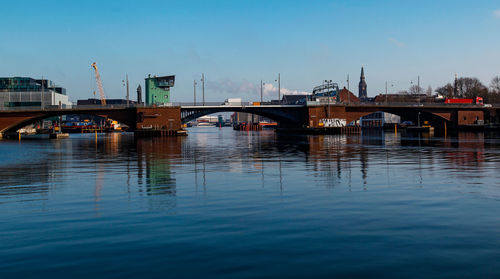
(168, 118)
(165, 118)
(347, 97)
(454, 116)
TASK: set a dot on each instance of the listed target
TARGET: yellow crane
(99, 84)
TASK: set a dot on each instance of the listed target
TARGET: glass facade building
(29, 92)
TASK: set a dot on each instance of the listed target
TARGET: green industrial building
(158, 89)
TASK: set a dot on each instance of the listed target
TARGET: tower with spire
(362, 93)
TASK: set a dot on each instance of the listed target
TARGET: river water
(235, 204)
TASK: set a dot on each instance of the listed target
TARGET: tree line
(464, 87)
(467, 87)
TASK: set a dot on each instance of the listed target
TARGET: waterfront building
(28, 92)
(347, 97)
(362, 94)
(158, 90)
(243, 117)
(208, 118)
(379, 119)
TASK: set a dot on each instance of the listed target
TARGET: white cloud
(496, 13)
(271, 89)
(396, 42)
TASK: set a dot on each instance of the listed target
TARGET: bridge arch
(436, 118)
(15, 120)
(285, 115)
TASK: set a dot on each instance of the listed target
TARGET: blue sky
(238, 43)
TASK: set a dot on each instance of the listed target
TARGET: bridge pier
(158, 122)
(439, 116)
(165, 120)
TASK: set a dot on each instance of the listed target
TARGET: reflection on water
(41, 166)
(247, 204)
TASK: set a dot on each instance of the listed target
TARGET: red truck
(478, 101)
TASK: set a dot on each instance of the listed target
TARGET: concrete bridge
(287, 115)
(297, 116)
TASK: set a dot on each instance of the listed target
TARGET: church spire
(362, 93)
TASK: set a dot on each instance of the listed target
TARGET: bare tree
(470, 87)
(495, 85)
(415, 89)
(446, 90)
(429, 91)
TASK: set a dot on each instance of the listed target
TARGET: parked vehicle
(232, 102)
(477, 101)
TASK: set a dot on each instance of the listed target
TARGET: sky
(238, 43)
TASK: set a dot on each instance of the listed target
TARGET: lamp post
(41, 96)
(348, 92)
(279, 88)
(194, 92)
(328, 84)
(203, 88)
(385, 92)
(125, 83)
(261, 91)
(418, 89)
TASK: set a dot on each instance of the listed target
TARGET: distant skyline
(238, 43)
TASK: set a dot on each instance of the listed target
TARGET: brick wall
(469, 117)
(168, 118)
(320, 112)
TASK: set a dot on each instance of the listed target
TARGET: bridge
(438, 115)
(287, 115)
(297, 116)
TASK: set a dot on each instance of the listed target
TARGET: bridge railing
(415, 105)
(207, 104)
(213, 104)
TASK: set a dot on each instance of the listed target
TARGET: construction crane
(99, 84)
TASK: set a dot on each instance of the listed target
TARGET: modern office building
(158, 90)
(16, 92)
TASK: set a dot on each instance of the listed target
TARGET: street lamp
(194, 92)
(203, 88)
(125, 83)
(261, 91)
(418, 89)
(279, 87)
(386, 91)
(328, 84)
(348, 92)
